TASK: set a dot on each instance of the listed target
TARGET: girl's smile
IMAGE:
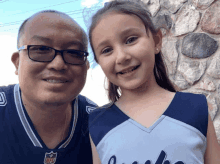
(128, 71)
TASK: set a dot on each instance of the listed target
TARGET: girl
(148, 122)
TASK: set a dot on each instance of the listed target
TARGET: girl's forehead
(117, 13)
(119, 21)
(121, 18)
(114, 26)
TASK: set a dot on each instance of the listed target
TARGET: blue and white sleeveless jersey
(177, 137)
(21, 144)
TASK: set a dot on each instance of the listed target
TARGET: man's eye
(72, 52)
(44, 48)
(75, 54)
(40, 48)
(131, 39)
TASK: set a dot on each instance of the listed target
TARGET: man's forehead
(45, 22)
(52, 24)
(49, 17)
(73, 41)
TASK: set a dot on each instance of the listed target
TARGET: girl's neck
(144, 93)
(153, 99)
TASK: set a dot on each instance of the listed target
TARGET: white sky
(94, 88)
(89, 3)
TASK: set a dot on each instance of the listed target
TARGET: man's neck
(51, 122)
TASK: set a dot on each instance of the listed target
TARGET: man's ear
(158, 41)
(15, 61)
(87, 64)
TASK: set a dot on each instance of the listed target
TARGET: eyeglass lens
(46, 54)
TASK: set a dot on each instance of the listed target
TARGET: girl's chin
(135, 86)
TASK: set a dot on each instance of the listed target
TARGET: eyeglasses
(40, 53)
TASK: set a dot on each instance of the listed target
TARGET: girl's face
(124, 50)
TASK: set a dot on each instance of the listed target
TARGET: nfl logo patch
(50, 158)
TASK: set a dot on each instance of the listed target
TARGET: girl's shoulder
(191, 109)
(190, 96)
(190, 100)
(189, 103)
(103, 113)
(99, 113)
(103, 119)
(100, 110)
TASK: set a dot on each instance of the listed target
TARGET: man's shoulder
(6, 93)
(6, 106)
(8, 88)
(86, 104)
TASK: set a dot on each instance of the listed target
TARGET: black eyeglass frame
(27, 47)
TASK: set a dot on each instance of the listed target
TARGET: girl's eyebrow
(102, 43)
(123, 32)
(129, 29)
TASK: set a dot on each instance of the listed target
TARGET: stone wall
(191, 47)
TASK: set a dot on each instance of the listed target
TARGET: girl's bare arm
(212, 154)
(95, 155)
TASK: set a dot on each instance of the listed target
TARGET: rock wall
(191, 47)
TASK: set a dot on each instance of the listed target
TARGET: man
(42, 117)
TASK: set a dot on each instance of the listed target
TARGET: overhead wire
(80, 11)
(4, 1)
(18, 22)
(42, 8)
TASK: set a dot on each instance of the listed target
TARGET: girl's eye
(131, 39)
(106, 50)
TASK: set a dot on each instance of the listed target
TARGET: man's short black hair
(21, 28)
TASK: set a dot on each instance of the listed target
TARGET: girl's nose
(122, 56)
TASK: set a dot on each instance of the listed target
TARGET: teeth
(129, 70)
(56, 81)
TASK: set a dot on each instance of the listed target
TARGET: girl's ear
(15, 61)
(158, 41)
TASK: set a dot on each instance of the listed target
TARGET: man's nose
(58, 62)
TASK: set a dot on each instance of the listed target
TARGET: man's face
(52, 82)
